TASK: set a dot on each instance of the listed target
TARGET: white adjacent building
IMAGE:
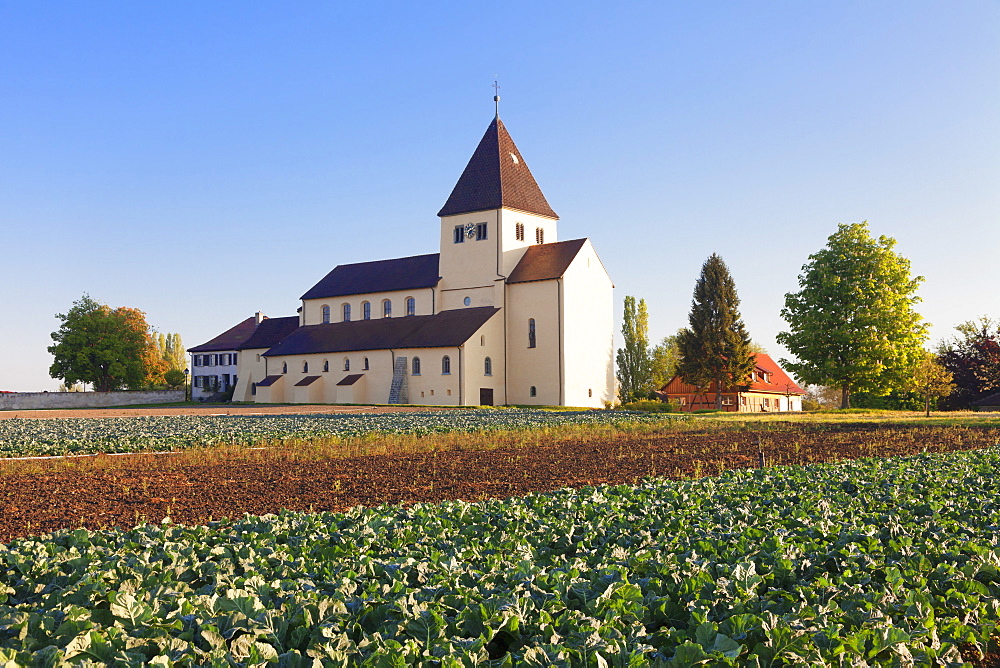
(504, 313)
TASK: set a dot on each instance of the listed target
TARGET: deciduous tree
(110, 348)
(715, 346)
(852, 323)
(931, 380)
(973, 359)
(635, 375)
(663, 360)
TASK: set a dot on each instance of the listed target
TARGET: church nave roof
(401, 273)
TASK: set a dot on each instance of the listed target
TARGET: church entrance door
(485, 396)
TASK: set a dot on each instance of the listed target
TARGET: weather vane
(496, 96)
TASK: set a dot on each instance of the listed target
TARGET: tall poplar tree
(715, 346)
(852, 323)
(635, 372)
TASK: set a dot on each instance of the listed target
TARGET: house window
(326, 313)
(445, 365)
(480, 231)
(743, 401)
(519, 231)
(347, 364)
(366, 310)
(232, 358)
(411, 306)
(198, 380)
(416, 366)
(197, 360)
(347, 312)
(305, 367)
(539, 235)
(727, 401)
(284, 367)
(487, 367)
(532, 391)
(386, 308)
(326, 365)
(366, 364)
(531, 332)
(459, 234)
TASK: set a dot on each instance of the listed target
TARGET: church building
(504, 313)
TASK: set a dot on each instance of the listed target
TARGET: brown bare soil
(102, 491)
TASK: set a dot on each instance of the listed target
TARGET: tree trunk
(718, 394)
(845, 397)
(927, 405)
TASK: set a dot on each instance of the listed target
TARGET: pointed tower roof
(497, 177)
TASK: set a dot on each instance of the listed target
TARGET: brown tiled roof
(270, 332)
(496, 176)
(229, 339)
(545, 261)
(402, 273)
(351, 379)
(308, 380)
(270, 380)
(781, 382)
(444, 329)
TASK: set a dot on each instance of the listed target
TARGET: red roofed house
(504, 313)
(770, 390)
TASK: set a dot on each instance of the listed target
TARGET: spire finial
(496, 96)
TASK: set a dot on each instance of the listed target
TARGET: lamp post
(186, 372)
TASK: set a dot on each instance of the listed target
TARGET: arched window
(326, 313)
(253, 388)
(326, 365)
(347, 312)
(539, 235)
(519, 231)
(531, 332)
(386, 308)
(532, 392)
(411, 306)
(488, 367)
(366, 310)
(446, 365)
(284, 367)
(366, 364)
(305, 367)
(347, 364)
(416, 366)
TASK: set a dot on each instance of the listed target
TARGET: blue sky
(203, 161)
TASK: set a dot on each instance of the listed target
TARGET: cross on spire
(496, 96)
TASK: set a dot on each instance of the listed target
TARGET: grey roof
(270, 332)
(496, 177)
(269, 380)
(545, 261)
(351, 379)
(402, 273)
(230, 339)
(444, 329)
(308, 380)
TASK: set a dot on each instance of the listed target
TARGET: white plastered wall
(312, 309)
(538, 366)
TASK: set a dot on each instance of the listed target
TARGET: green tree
(931, 380)
(715, 347)
(852, 323)
(973, 359)
(174, 378)
(663, 359)
(635, 377)
(171, 350)
(110, 348)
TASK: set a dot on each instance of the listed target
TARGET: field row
(870, 562)
(64, 436)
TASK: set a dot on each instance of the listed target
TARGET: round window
(468, 300)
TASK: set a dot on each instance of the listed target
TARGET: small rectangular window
(480, 231)
(459, 234)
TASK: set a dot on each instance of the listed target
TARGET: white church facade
(504, 313)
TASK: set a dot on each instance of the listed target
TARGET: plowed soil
(41, 496)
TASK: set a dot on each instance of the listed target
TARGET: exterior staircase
(397, 391)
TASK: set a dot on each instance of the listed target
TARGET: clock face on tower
(470, 230)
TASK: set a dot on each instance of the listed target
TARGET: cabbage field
(25, 437)
(870, 562)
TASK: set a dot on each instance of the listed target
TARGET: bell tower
(494, 213)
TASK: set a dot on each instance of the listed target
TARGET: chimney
(260, 317)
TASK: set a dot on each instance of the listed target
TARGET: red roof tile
(545, 261)
(779, 381)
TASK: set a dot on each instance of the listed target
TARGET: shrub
(651, 406)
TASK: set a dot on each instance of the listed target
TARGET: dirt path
(214, 409)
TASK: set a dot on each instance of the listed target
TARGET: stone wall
(33, 400)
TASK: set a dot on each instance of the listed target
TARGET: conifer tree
(635, 372)
(715, 347)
